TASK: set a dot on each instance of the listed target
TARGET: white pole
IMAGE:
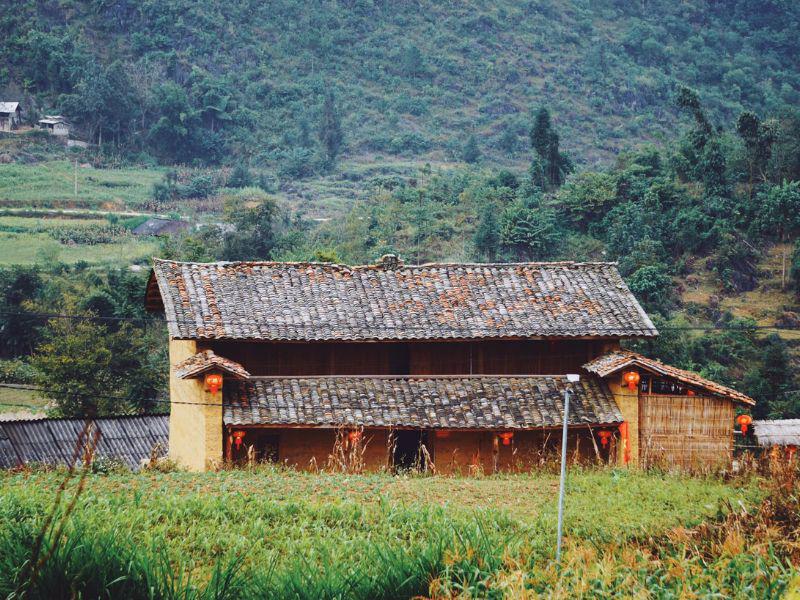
(562, 490)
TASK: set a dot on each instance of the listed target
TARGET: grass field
(272, 533)
(21, 401)
(25, 248)
(51, 184)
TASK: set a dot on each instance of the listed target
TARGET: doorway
(408, 454)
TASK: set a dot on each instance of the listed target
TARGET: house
(10, 116)
(160, 227)
(130, 440)
(464, 365)
(54, 125)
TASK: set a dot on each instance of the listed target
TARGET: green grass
(332, 535)
(16, 400)
(51, 184)
(25, 248)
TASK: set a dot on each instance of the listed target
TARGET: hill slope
(411, 78)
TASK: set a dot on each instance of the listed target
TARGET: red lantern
(604, 437)
(238, 436)
(354, 436)
(213, 382)
(744, 421)
(631, 378)
(506, 436)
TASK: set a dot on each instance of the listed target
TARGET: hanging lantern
(631, 379)
(354, 436)
(744, 421)
(506, 436)
(690, 392)
(604, 436)
(238, 436)
(213, 382)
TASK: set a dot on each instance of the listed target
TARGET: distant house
(54, 125)
(464, 364)
(52, 441)
(10, 116)
(160, 227)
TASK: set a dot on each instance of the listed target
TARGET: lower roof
(782, 432)
(614, 362)
(52, 441)
(442, 402)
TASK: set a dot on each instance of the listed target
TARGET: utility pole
(75, 180)
(571, 379)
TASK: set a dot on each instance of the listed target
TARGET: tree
(771, 381)
(88, 370)
(471, 153)
(487, 234)
(253, 237)
(780, 217)
(411, 63)
(529, 232)
(240, 177)
(171, 135)
(588, 197)
(653, 287)
(18, 326)
(552, 165)
(330, 128)
(758, 138)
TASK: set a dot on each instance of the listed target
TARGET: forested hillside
(662, 135)
(216, 82)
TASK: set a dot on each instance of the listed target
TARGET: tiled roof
(491, 402)
(785, 432)
(52, 441)
(616, 361)
(314, 301)
(206, 360)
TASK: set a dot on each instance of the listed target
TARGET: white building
(10, 116)
(55, 125)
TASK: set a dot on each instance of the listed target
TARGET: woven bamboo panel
(687, 432)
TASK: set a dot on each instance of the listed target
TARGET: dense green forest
(218, 82)
(664, 136)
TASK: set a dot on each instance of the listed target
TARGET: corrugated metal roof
(52, 441)
(784, 432)
(8, 107)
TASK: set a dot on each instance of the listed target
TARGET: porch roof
(446, 402)
(205, 361)
(622, 359)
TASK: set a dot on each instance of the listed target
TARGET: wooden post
(75, 180)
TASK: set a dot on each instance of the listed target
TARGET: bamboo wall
(687, 432)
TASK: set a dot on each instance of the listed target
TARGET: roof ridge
(378, 266)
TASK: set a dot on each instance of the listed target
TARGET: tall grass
(271, 534)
